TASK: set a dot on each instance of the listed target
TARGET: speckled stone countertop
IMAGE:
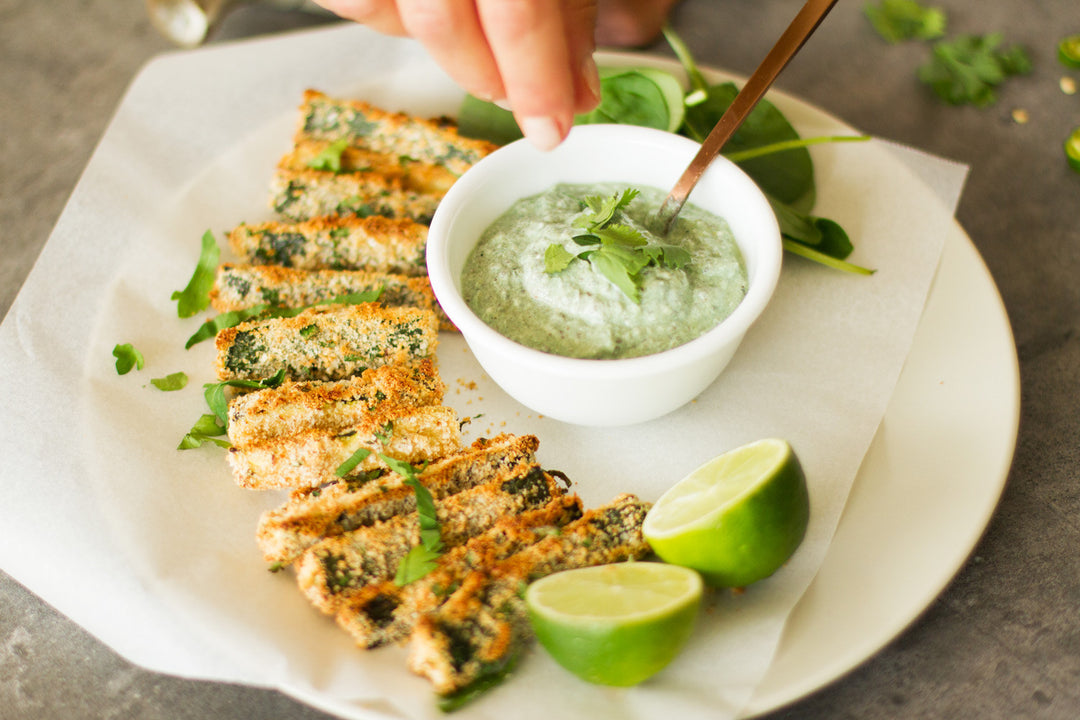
(1002, 641)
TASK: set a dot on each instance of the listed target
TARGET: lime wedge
(615, 624)
(737, 518)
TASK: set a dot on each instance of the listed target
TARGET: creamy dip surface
(578, 312)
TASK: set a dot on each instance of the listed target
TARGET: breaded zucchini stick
(296, 407)
(239, 287)
(437, 142)
(310, 459)
(422, 177)
(378, 244)
(326, 342)
(484, 625)
(312, 514)
(305, 194)
(385, 613)
(335, 568)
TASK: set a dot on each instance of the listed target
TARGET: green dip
(578, 312)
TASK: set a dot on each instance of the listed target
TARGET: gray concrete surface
(1003, 641)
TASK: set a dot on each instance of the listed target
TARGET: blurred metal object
(188, 23)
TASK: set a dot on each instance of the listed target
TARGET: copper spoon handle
(804, 24)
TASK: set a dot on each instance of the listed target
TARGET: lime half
(615, 624)
(737, 518)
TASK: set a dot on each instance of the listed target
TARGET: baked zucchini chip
(326, 342)
(430, 141)
(376, 244)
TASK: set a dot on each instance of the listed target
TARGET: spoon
(804, 24)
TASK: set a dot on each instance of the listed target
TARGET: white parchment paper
(152, 549)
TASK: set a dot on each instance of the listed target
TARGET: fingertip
(545, 133)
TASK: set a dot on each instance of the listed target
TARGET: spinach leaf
(629, 96)
(638, 96)
(788, 176)
(487, 121)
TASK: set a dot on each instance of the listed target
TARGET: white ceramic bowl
(601, 392)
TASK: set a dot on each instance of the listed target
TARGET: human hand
(534, 56)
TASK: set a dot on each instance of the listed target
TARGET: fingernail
(543, 132)
(592, 76)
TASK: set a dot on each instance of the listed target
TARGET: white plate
(928, 485)
(920, 502)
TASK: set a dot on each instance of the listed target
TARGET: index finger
(537, 50)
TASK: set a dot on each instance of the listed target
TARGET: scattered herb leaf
(349, 465)
(330, 157)
(232, 318)
(421, 558)
(196, 296)
(557, 258)
(206, 429)
(171, 382)
(968, 69)
(213, 326)
(899, 20)
(219, 404)
(127, 357)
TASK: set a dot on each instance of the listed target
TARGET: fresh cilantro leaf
(603, 208)
(171, 382)
(623, 251)
(421, 559)
(417, 563)
(675, 257)
(899, 20)
(349, 465)
(557, 259)
(968, 69)
(616, 234)
(219, 404)
(232, 318)
(586, 239)
(127, 357)
(205, 429)
(330, 157)
(609, 265)
(196, 296)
